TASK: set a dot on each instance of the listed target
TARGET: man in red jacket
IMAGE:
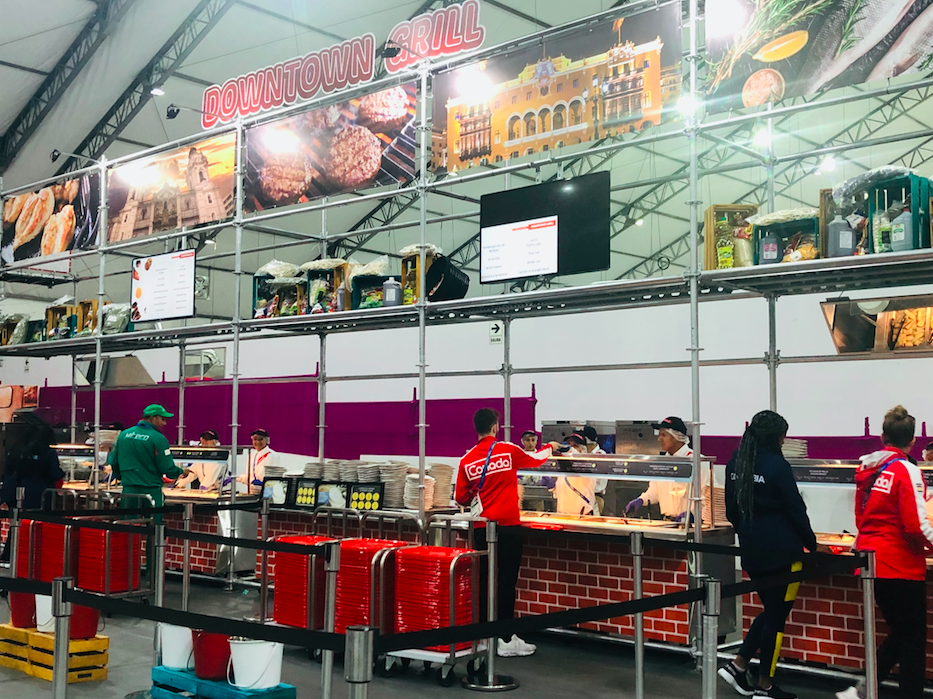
(488, 472)
(890, 513)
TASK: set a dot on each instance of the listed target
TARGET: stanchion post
(711, 608)
(14, 530)
(186, 559)
(868, 602)
(358, 665)
(264, 564)
(61, 610)
(638, 551)
(491, 682)
(157, 571)
(331, 566)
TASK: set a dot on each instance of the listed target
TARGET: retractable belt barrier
(827, 564)
(122, 511)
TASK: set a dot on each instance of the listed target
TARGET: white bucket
(255, 664)
(44, 619)
(177, 648)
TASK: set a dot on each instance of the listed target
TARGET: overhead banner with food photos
(54, 219)
(617, 76)
(762, 51)
(185, 187)
(364, 142)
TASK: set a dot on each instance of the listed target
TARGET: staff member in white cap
(257, 459)
(671, 496)
(203, 474)
(576, 495)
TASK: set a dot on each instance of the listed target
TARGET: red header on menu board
(445, 32)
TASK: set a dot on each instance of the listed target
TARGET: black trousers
(767, 631)
(508, 563)
(903, 604)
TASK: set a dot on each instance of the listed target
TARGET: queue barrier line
(141, 529)
(164, 510)
(416, 639)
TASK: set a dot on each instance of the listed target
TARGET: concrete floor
(560, 669)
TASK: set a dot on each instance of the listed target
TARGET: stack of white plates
(717, 506)
(349, 472)
(794, 448)
(411, 492)
(314, 469)
(368, 473)
(393, 475)
(275, 471)
(332, 471)
(443, 475)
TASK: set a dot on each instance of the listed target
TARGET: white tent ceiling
(247, 35)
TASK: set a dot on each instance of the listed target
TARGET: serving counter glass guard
(626, 477)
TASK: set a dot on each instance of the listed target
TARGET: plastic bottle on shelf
(391, 292)
(725, 246)
(902, 230)
(769, 249)
(841, 238)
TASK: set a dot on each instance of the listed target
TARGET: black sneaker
(774, 692)
(736, 678)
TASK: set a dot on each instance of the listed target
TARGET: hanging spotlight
(157, 91)
(828, 164)
(687, 105)
(640, 222)
(763, 137)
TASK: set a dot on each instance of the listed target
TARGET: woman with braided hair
(765, 507)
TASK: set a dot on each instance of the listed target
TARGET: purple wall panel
(287, 408)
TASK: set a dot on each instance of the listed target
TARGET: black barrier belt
(91, 524)
(110, 511)
(735, 551)
(222, 625)
(573, 617)
(31, 587)
(279, 546)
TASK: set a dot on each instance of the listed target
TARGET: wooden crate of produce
(714, 214)
(87, 314)
(56, 314)
(411, 279)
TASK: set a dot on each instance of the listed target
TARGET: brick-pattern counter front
(558, 574)
(203, 556)
(826, 626)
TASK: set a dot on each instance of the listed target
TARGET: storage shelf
(827, 276)
(811, 277)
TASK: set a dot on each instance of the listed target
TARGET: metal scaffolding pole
(74, 398)
(235, 374)
(181, 393)
(322, 397)
(772, 359)
(507, 378)
(422, 284)
(98, 336)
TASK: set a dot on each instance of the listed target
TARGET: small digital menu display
(367, 496)
(278, 491)
(306, 494)
(200, 454)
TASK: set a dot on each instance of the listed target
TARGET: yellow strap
(791, 594)
(778, 641)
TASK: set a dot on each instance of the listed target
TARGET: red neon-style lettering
(362, 57)
(400, 35)
(438, 22)
(210, 105)
(290, 69)
(335, 65)
(473, 32)
(453, 37)
(250, 88)
(229, 99)
(309, 77)
(273, 94)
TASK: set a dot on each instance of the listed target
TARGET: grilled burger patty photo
(354, 158)
(384, 111)
(285, 177)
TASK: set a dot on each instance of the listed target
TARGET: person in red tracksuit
(890, 513)
(498, 492)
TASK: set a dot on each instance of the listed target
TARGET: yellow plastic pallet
(14, 662)
(46, 641)
(14, 634)
(76, 661)
(91, 674)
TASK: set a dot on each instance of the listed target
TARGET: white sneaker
(850, 693)
(515, 648)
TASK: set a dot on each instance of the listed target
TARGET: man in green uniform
(141, 457)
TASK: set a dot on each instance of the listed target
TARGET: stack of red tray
(25, 546)
(52, 553)
(290, 604)
(422, 590)
(354, 593)
(125, 555)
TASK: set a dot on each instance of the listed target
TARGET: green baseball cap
(155, 409)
